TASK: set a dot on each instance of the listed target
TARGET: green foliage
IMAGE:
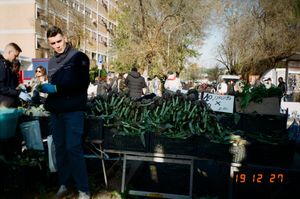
(214, 73)
(160, 33)
(173, 116)
(93, 73)
(256, 94)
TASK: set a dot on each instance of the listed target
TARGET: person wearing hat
(268, 83)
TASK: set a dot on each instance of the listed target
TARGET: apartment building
(89, 25)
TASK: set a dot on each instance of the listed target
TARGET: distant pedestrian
(239, 85)
(121, 83)
(268, 83)
(282, 86)
(135, 83)
(156, 84)
(230, 90)
(102, 85)
(172, 82)
(222, 88)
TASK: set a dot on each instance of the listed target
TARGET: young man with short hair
(8, 88)
(68, 72)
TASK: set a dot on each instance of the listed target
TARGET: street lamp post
(169, 36)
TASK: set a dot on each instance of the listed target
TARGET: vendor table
(160, 158)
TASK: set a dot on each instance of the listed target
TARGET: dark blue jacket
(69, 71)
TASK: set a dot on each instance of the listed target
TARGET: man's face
(12, 55)
(58, 43)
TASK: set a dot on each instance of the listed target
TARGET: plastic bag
(294, 132)
(51, 154)
(32, 135)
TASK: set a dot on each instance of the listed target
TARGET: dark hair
(42, 68)
(15, 46)
(134, 69)
(53, 31)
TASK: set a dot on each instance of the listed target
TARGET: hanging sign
(220, 103)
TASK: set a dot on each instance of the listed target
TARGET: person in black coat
(135, 83)
(8, 86)
(68, 72)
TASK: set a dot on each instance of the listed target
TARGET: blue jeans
(67, 137)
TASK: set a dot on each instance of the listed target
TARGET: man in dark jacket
(135, 83)
(8, 86)
(282, 86)
(66, 101)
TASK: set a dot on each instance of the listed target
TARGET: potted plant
(121, 119)
(259, 99)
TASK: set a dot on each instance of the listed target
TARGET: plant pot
(268, 106)
(8, 122)
(263, 123)
(43, 121)
(220, 152)
(118, 141)
(211, 150)
(93, 128)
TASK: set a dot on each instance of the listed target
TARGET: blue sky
(209, 49)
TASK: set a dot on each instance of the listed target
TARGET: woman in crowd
(39, 78)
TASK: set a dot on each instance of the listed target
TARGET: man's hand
(48, 88)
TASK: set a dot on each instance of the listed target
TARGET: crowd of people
(232, 87)
(134, 84)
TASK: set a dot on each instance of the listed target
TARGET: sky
(210, 47)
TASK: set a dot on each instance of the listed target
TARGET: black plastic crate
(118, 141)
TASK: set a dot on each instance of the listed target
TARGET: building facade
(89, 25)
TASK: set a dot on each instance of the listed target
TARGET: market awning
(294, 57)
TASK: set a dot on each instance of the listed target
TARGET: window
(88, 12)
(94, 55)
(40, 43)
(94, 36)
(75, 6)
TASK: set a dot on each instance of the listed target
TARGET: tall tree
(161, 34)
(214, 73)
(192, 72)
(259, 35)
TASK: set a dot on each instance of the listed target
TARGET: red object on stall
(21, 77)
